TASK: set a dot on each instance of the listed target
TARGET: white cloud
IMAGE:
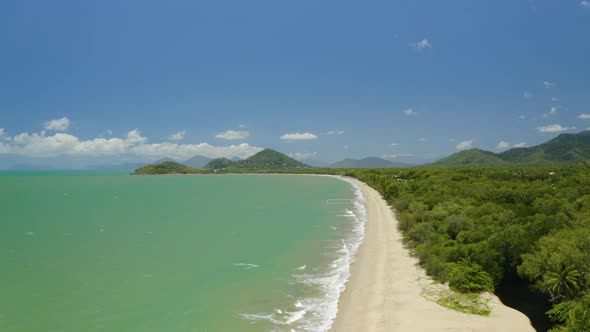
(554, 128)
(298, 136)
(554, 99)
(334, 132)
(585, 3)
(584, 116)
(465, 145)
(394, 144)
(409, 112)
(58, 124)
(302, 155)
(522, 117)
(503, 145)
(233, 135)
(179, 136)
(548, 84)
(552, 111)
(520, 145)
(421, 45)
(527, 95)
(41, 145)
(422, 139)
(242, 125)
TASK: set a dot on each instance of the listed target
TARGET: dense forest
(476, 228)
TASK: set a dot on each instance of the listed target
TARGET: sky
(324, 80)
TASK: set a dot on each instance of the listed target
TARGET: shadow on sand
(518, 295)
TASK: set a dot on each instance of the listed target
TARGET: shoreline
(385, 289)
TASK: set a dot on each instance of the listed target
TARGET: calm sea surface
(111, 252)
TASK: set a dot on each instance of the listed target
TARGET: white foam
(317, 314)
(302, 267)
(246, 266)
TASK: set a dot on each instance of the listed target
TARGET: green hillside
(472, 157)
(167, 167)
(265, 159)
(370, 162)
(563, 149)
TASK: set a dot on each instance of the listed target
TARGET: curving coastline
(384, 291)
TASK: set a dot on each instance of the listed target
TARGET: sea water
(114, 252)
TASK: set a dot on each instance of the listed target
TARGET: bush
(468, 278)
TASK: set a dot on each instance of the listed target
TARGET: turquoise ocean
(106, 251)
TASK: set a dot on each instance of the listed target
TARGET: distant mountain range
(197, 161)
(563, 149)
(265, 159)
(370, 162)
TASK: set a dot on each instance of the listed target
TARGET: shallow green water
(111, 252)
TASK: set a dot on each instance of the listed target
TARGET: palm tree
(563, 283)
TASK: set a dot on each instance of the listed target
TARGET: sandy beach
(384, 292)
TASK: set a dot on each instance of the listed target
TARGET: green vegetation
(468, 303)
(266, 159)
(370, 162)
(564, 149)
(167, 167)
(472, 157)
(478, 227)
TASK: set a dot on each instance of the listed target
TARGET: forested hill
(564, 149)
(266, 159)
(166, 167)
(370, 162)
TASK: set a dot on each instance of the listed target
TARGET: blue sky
(408, 80)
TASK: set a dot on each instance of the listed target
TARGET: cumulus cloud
(552, 111)
(42, 145)
(465, 145)
(58, 124)
(334, 132)
(409, 112)
(421, 45)
(520, 145)
(302, 155)
(179, 136)
(233, 135)
(554, 128)
(584, 116)
(298, 136)
(548, 84)
(503, 145)
(527, 95)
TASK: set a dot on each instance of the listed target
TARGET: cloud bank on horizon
(133, 144)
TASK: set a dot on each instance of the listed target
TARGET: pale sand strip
(385, 287)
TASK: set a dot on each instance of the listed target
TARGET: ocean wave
(317, 313)
(246, 266)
